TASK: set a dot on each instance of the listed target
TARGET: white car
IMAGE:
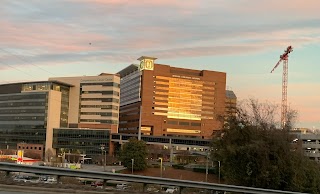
(171, 190)
(50, 180)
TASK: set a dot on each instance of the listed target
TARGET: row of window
(99, 121)
(172, 79)
(23, 97)
(101, 106)
(31, 148)
(101, 99)
(102, 92)
(23, 118)
(6, 128)
(19, 104)
(45, 86)
(166, 140)
(101, 84)
(21, 111)
(100, 113)
(183, 123)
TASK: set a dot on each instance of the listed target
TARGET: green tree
(254, 152)
(136, 150)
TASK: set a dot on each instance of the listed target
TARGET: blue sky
(244, 38)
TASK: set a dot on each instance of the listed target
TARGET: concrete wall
(53, 118)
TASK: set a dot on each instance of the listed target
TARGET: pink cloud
(49, 37)
(301, 97)
(176, 3)
(271, 8)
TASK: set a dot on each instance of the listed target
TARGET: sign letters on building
(146, 64)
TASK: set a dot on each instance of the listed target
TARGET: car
(171, 190)
(153, 189)
(21, 178)
(49, 180)
(97, 184)
(122, 186)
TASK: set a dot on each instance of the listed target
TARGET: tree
(254, 152)
(136, 150)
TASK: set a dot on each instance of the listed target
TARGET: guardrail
(10, 167)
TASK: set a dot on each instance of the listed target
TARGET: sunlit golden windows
(183, 98)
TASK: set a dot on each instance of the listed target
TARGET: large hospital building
(83, 114)
(167, 101)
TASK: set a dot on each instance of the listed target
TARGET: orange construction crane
(284, 108)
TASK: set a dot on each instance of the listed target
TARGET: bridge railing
(10, 167)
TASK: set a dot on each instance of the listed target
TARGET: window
(195, 124)
(172, 122)
(183, 123)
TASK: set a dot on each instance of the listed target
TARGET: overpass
(163, 140)
(10, 167)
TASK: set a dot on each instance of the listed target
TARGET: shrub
(178, 166)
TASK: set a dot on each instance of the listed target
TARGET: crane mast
(284, 108)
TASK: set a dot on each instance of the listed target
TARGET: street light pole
(132, 162)
(105, 160)
(105, 157)
(219, 172)
(160, 166)
(207, 169)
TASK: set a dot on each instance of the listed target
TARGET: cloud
(64, 34)
(169, 29)
(301, 96)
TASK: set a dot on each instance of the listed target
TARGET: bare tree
(255, 151)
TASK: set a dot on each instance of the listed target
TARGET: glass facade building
(30, 111)
(24, 112)
(81, 141)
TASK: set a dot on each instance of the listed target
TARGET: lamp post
(207, 168)
(105, 157)
(160, 166)
(219, 171)
(132, 162)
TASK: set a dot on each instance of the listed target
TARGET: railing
(9, 167)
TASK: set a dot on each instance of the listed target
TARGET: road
(13, 192)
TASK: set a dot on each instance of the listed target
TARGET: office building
(28, 109)
(168, 101)
(95, 101)
(308, 141)
(87, 142)
(231, 104)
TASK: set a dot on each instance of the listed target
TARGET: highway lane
(12, 192)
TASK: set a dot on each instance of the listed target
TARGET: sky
(244, 38)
